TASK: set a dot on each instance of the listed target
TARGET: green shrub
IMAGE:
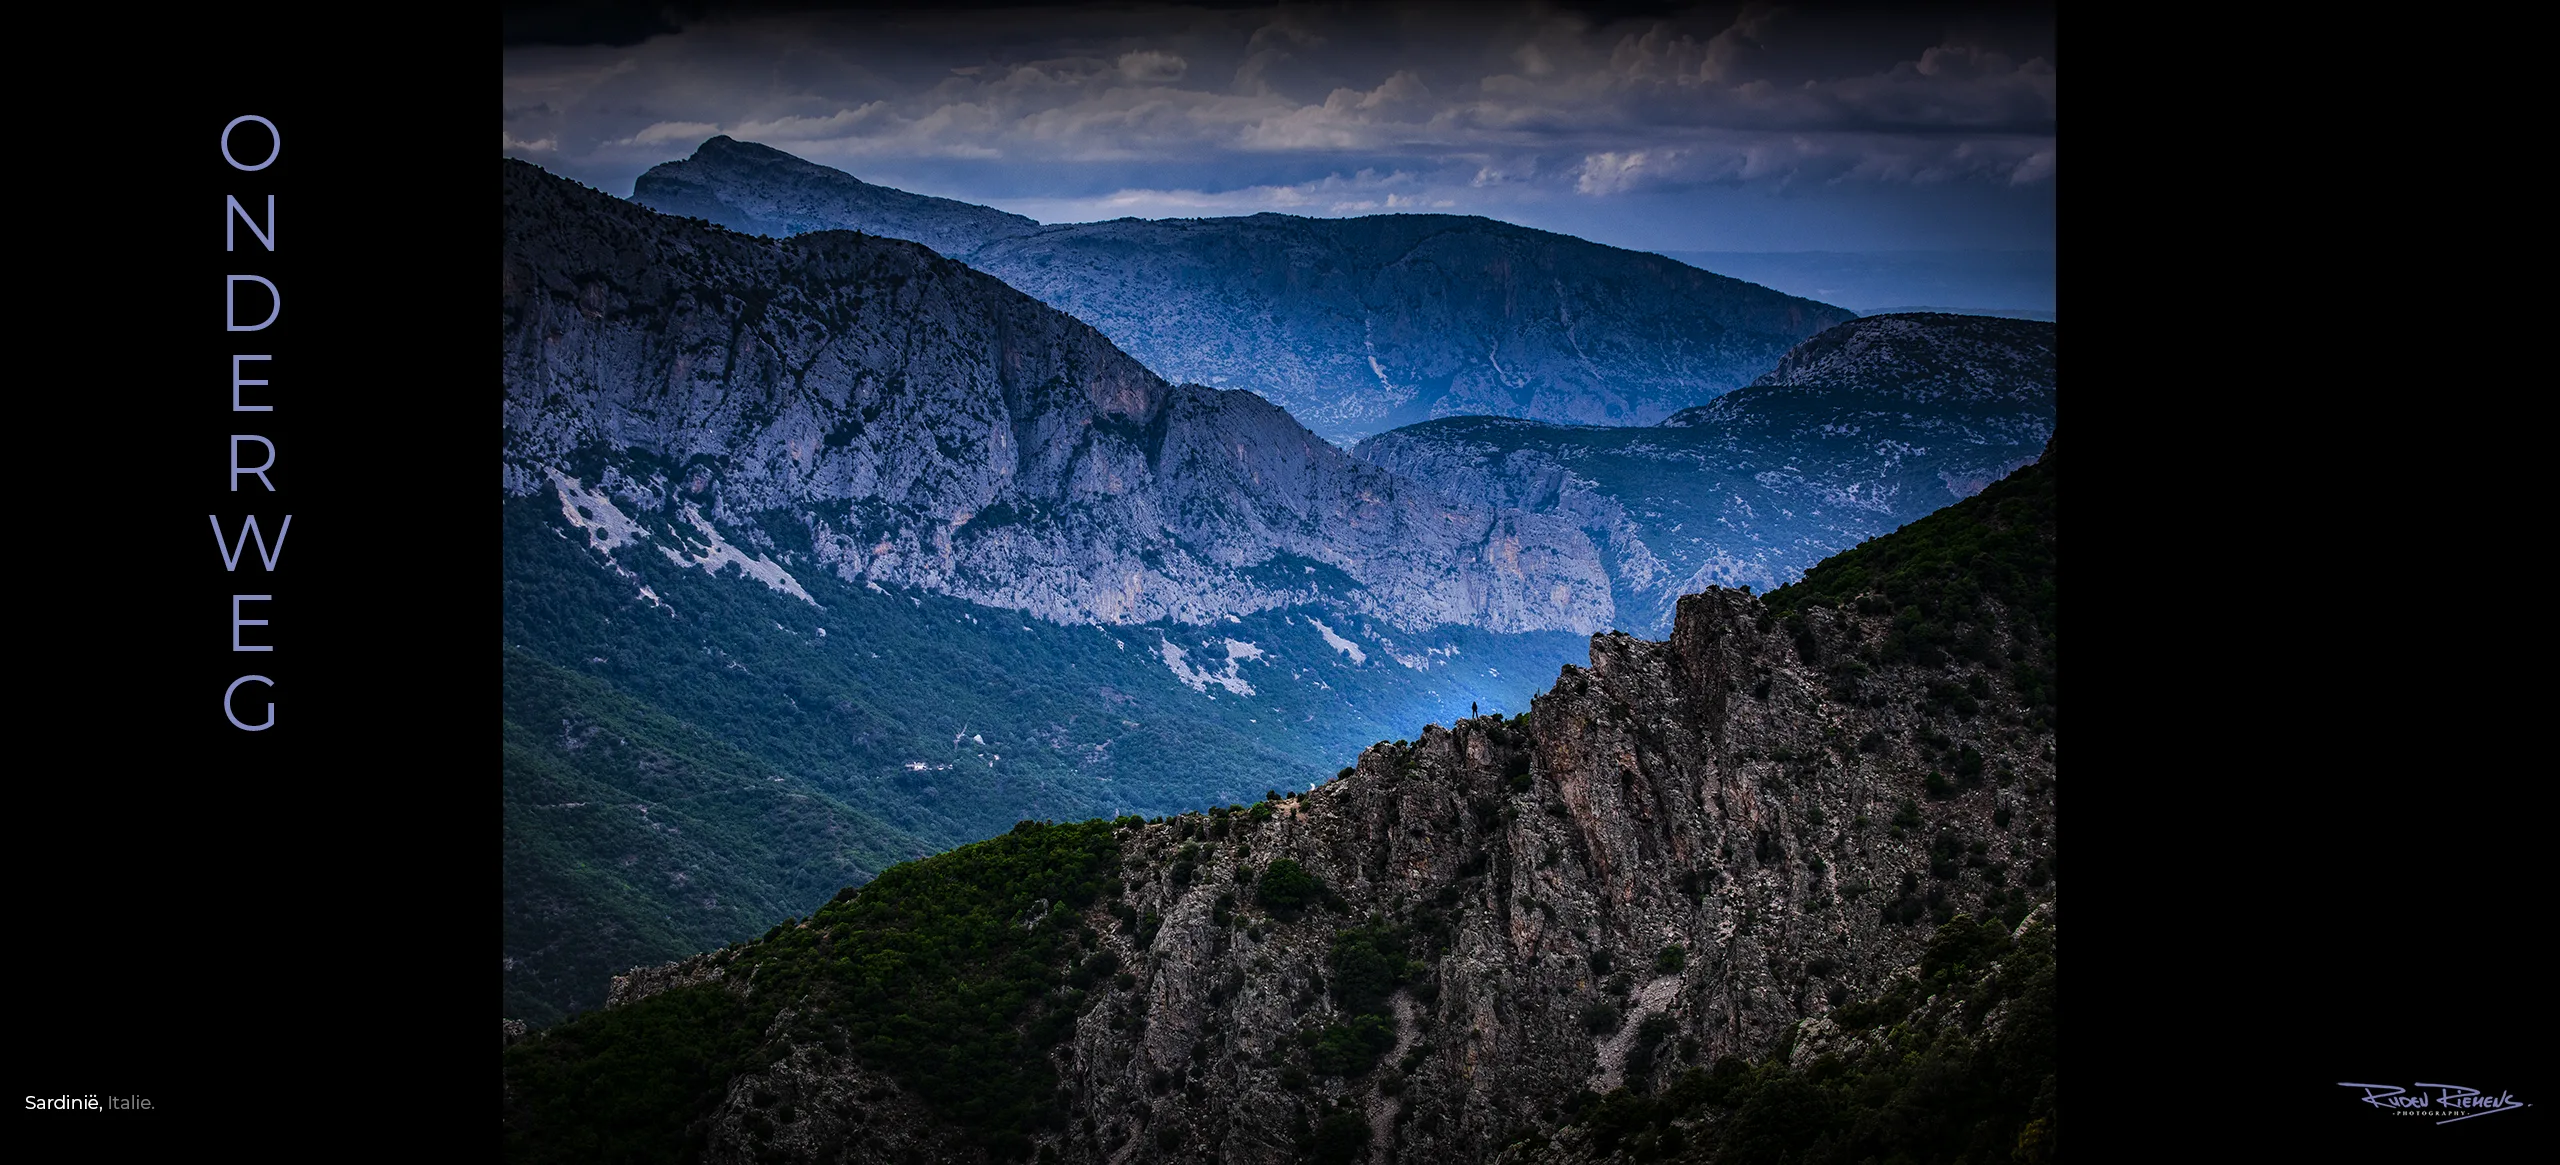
(1671, 960)
(1349, 1049)
(1339, 1138)
(1285, 888)
(1367, 964)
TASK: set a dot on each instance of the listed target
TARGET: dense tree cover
(1351, 1048)
(631, 1085)
(901, 679)
(1997, 544)
(632, 838)
(928, 973)
(1340, 1138)
(1940, 576)
(1365, 966)
(1286, 888)
(913, 723)
(1003, 720)
(1970, 1079)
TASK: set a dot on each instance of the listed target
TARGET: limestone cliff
(898, 418)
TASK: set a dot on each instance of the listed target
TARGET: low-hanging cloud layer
(1759, 127)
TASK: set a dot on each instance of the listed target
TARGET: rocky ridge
(1688, 850)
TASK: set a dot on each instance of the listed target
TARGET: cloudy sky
(1660, 127)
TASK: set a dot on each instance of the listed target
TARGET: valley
(1783, 884)
(874, 557)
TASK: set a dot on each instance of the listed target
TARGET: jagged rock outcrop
(1859, 430)
(1353, 325)
(897, 418)
(1767, 796)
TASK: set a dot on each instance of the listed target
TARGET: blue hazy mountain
(1859, 430)
(1354, 325)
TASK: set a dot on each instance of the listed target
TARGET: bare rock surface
(1716, 792)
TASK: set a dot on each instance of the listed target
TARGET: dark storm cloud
(1529, 112)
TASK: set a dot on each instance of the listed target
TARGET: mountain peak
(721, 149)
(755, 188)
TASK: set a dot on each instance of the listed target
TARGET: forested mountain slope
(1778, 888)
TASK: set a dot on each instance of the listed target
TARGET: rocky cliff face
(1859, 430)
(897, 418)
(1353, 325)
(1689, 849)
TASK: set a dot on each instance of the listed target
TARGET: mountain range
(1354, 325)
(1674, 911)
(826, 552)
(1857, 431)
(899, 418)
(804, 524)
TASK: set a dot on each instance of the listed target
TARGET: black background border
(2300, 853)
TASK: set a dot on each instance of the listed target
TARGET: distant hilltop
(1354, 325)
